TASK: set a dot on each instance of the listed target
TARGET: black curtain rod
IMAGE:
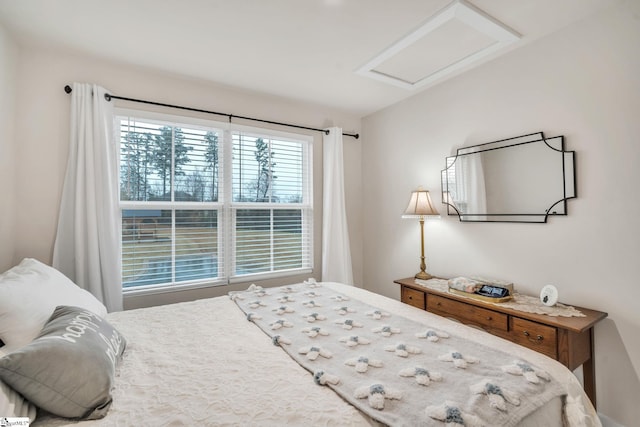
(109, 97)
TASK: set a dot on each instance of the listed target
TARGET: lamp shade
(420, 205)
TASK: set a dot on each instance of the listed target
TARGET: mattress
(202, 363)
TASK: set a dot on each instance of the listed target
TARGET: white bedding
(202, 363)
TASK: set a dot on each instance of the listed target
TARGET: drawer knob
(538, 337)
(489, 318)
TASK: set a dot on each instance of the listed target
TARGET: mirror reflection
(521, 179)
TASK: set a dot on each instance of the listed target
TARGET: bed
(218, 362)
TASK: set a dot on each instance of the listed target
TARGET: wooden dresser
(566, 339)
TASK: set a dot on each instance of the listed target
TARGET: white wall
(42, 123)
(8, 67)
(584, 83)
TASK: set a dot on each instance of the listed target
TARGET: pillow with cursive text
(69, 369)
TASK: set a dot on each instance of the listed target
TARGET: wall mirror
(522, 179)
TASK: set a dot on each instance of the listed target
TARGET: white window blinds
(187, 221)
(271, 204)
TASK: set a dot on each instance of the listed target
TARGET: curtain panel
(336, 252)
(87, 245)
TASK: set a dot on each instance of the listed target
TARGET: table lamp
(420, 206)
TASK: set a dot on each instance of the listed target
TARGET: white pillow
(13, 405)
(29, 293)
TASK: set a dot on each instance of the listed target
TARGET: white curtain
(336, 253)
(87, 246)
(470, 184)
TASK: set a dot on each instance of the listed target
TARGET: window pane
(269, 240)
(288, 247)
(287, 159)
(139, 180)
(146, 247)
(197, 167)
(150, 153)
(252, 169)
(161, 161)
(196, 244)
(267, 170)
(253, 241)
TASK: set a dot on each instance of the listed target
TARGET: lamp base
(423, 275)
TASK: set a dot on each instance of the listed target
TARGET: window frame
(225, 204)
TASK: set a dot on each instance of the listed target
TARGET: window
(206, 203)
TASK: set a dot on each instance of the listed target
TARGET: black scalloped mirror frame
(559, 166)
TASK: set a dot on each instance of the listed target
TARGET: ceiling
(306, 50)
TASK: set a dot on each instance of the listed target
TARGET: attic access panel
(457, 36)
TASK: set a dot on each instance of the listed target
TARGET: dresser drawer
(535, 336)
(413, 297)
(467, 313)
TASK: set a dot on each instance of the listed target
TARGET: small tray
(479, 297)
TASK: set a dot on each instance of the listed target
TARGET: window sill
(163, 289)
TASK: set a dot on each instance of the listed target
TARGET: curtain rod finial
(67, 89)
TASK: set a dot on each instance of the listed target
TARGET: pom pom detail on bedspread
(431, 335)
(311, 282)
(253, 316)
(278, 340)
(257, 290)
(311, 304)
(458, 359)
(320, 377)
(422, 375)
(257, 304)
(376, 394)
(354, 340)
(348, 323)
(498, 396)
(312, 352)
(312, 317)
(283, 309)
(314, 331)
(531, 374)
(377, 314)
(452, 416)
(574, 411)
(282, 323)
(386, 330)
(403, 350)
(342, 310)
(362, 363)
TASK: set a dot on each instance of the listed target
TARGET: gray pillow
(69, 368)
